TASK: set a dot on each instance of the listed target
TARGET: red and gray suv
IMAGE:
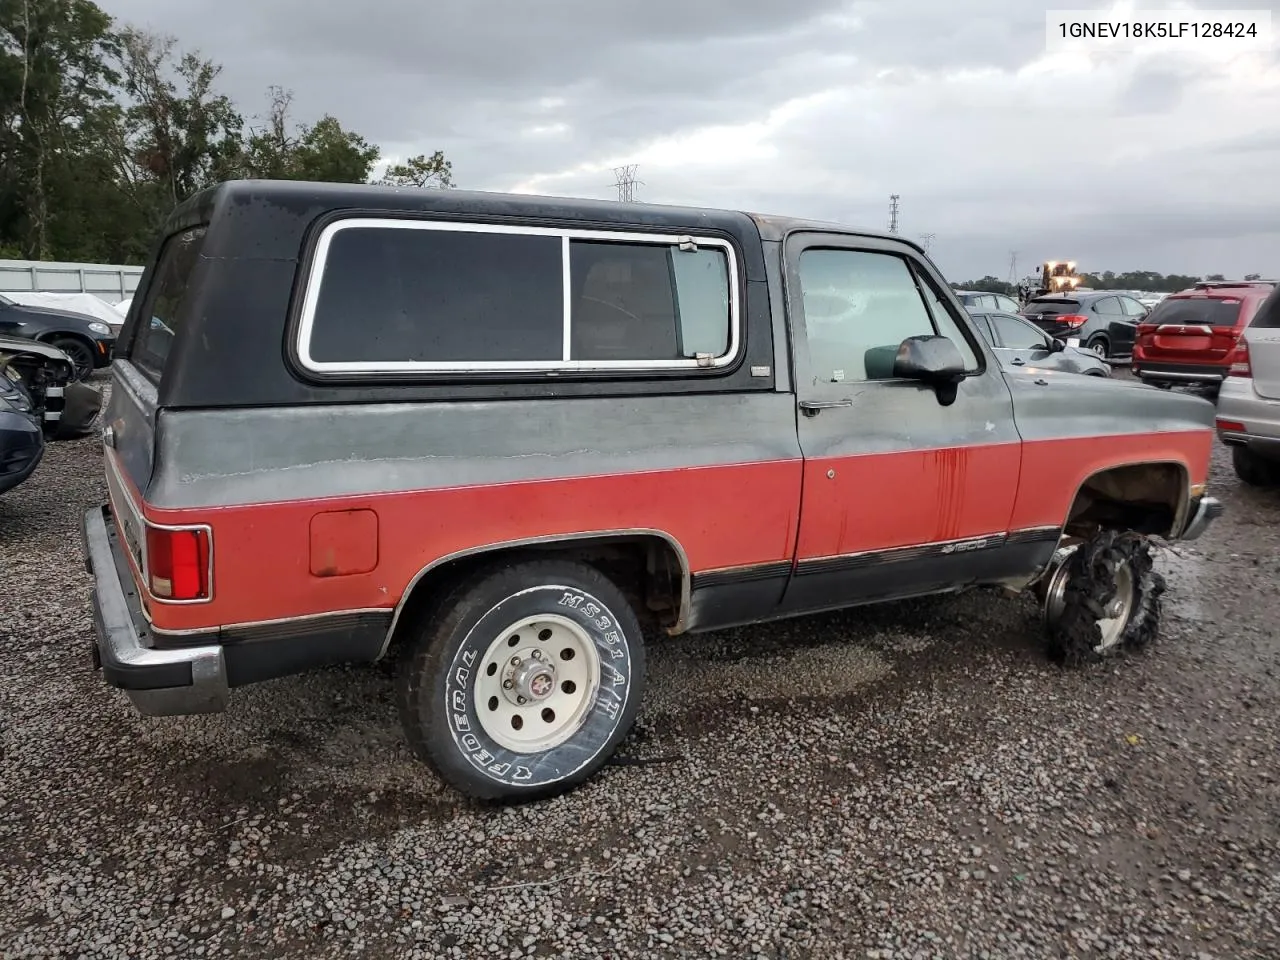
(1189, 337)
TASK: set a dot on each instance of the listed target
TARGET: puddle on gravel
(1184, 572)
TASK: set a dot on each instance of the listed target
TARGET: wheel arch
(664, 584)
(1148, 496)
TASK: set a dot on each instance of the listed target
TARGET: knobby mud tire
(1091, 586)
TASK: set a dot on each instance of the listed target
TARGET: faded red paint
(880, 501)
(1054, 470)
(722, 517)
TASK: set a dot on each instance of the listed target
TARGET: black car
(86, 340)
(1103, 321)
(981, 300)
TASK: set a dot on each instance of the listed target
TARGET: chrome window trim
(319, 261)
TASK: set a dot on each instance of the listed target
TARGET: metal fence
(111, 282)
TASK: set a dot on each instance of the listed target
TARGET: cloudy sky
(1140, 159)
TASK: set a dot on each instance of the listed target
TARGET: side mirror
(932, 360)
(1056, 345)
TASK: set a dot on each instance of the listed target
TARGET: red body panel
(722, 517)
(881, 501)
(1054, 470)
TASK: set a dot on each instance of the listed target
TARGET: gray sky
(1140, 160)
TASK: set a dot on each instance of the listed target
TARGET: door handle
(813, 406)
(1018, 362)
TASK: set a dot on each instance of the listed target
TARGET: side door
(1134, 313)
(902, 494)
(10, 319)
(1112, 322)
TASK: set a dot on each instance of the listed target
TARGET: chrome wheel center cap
(535, 680)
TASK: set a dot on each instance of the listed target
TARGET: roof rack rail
(1209, 284)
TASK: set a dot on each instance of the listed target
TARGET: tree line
(1147, 281)
(104, 127)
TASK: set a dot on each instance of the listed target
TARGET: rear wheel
(1099, 345)
(1103, 599)
(1253, 469)
(524, 681)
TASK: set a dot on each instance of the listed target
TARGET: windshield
(1196, 310)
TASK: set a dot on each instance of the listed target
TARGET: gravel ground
(906, 781)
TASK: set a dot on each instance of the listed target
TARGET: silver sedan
(1021, 345)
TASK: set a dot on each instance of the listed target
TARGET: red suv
(1189, 337)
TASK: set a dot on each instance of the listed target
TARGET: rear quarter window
(1268, 315)
(409, 296)
(160, 316)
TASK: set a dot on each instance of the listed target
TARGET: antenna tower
(1013, 267)
(893, 213)
(926, 240)
(626, 182)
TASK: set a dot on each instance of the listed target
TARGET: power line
(626, 182)
(893, 213)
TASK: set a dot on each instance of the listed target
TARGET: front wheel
(525, 681)
(80, 354)
(1103, 599)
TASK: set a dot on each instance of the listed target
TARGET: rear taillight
(1073, 320)
(1240, 360)
(178, 563)
(1146, 328)
(1230, 332)
(1230, 426)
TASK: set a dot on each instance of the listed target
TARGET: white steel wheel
(535, 683)
(1119, 611)
(523, 679)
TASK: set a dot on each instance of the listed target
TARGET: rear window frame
(314, 263)
(1066, 305)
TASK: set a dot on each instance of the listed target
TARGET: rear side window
(160, 316)
(1053, 308)
(406, 296)
(1268, 315)
(1196, 310)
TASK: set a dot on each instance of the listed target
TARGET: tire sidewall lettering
(613, 690)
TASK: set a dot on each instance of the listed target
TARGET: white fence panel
(111, 282)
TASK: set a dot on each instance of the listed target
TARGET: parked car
(1103, 321)
(987, 301)
(506, 435)
(86, 340)
(1020, 344)
(1190, 336)
(1249, 398)
(43, 376)
(21, 432)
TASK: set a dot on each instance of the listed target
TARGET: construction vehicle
(1058, 276)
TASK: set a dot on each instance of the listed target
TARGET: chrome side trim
(315, 279)
(278, 622)
(685, 576)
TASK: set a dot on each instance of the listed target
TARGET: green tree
(281, 150)
(182, 134)
(421, 171)
(988, 284)
(55, 76)
(1215, 277)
